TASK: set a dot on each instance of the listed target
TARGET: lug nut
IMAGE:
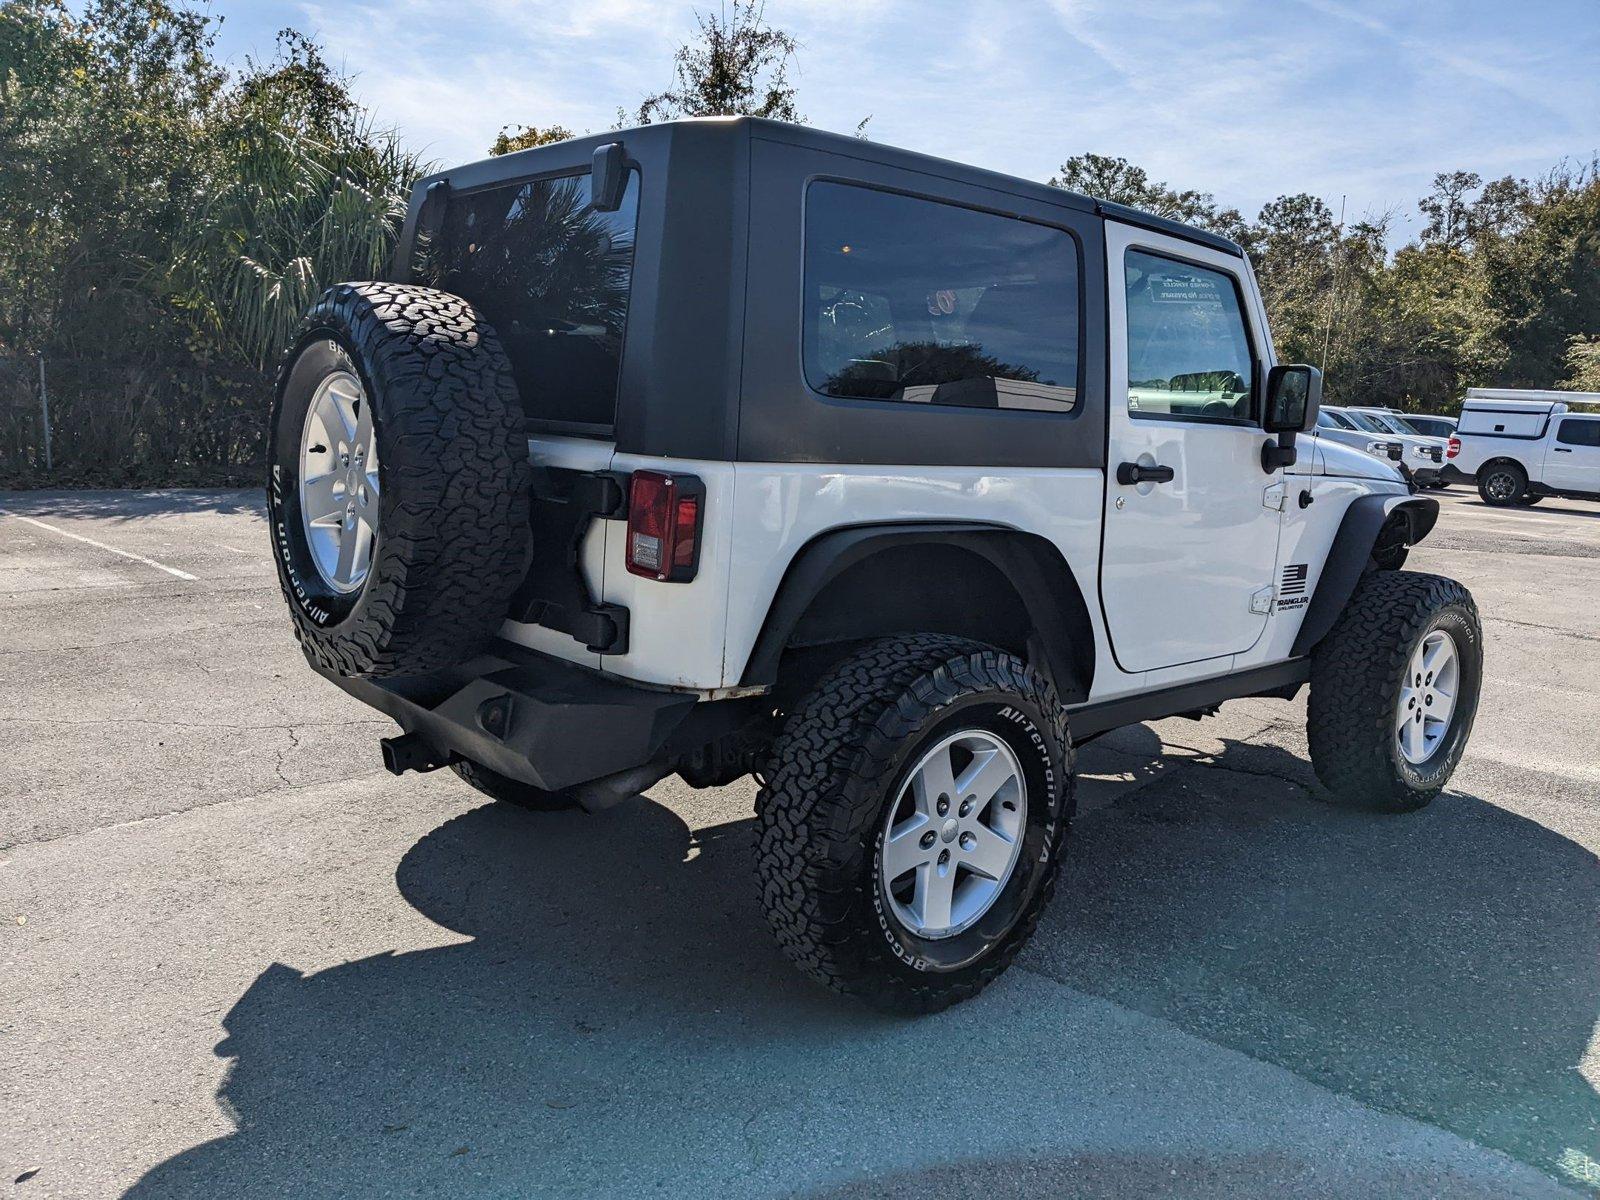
(944, 857)
(927, 840)
(944, 804)
(966, 806)
(969, 842)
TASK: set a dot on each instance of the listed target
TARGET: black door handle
(1128, 473)
(1562, 450)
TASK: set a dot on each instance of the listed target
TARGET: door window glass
(1188, 352)
(920, 301)
(1579, 432)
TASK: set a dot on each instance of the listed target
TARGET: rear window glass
(925, 302)
(552, 276)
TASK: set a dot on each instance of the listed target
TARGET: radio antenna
(1333, 290)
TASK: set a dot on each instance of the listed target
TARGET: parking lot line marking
(78, 537)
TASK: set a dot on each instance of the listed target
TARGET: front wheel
(1503, 484)
(1394, 690)
(909, 836)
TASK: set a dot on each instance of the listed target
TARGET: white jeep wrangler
(726, 447)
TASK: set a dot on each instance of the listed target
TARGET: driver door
(1190, 545)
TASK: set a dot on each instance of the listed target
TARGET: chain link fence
(114, 421)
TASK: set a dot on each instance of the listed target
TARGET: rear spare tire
(398, 485)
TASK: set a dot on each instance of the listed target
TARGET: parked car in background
(1520, 446)
(1334, 426)
(1423, 457)
(1430, 425)
(1423, 454)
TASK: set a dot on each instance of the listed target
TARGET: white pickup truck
(1520, 446)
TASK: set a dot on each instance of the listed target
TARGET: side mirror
(608, 178)
(1294, 397)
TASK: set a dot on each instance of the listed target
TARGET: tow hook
(411, 752)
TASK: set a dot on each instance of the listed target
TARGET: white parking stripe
(78, 537)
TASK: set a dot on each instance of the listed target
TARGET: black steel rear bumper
(529, 716)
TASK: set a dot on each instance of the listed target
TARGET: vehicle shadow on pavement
(1443, 965)
(1546, 508)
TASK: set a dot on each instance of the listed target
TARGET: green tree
(165, 225)
(303, 192)
(1583, 364)
(1121, 182)
(738, 65)
(512, 138)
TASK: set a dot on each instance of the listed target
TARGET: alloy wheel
(953, 834)
(339, 481)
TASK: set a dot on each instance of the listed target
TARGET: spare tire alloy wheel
(399, 483)
(340, 481)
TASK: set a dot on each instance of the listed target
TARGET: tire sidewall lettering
(318, 354)
(1024, 733)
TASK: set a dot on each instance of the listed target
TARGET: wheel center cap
(949, 830)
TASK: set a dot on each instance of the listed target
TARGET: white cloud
(1246, 100)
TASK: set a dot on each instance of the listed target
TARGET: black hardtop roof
(527, 162)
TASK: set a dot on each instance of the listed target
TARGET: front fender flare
(1351, 553)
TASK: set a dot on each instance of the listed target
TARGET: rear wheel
(1394, 690)
(1502, 484)
(910, 831)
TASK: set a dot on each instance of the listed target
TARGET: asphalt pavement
(238, 959)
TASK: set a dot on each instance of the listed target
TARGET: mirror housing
(608, 178)
(1294, 397)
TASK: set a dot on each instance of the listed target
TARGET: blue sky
(1365, 98)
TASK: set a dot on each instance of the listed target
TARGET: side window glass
(1188, 350)
(1579, 433)
(925, 302)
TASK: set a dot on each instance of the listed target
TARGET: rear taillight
(664, 513)
(1455, 447)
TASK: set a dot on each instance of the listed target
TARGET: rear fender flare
(1033, 566)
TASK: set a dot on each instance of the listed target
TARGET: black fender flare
(1033, 566)
(1351, 553)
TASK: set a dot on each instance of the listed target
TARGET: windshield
(1363, 421)
(1391, 423)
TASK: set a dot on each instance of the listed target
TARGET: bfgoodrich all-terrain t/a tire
(909, 833)
(1394, 690)
(399, 481)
